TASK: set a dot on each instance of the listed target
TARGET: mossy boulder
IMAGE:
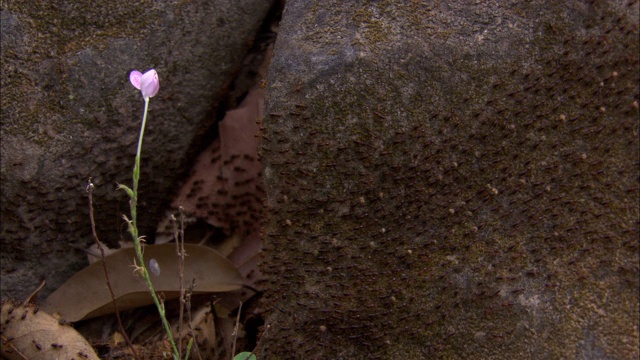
(453, 180)
(69, 113)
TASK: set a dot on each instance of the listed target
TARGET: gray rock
(453, 180)
(70, 113)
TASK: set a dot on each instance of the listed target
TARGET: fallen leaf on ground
(93, 252)
(226, 188)
(246, 258)
(29, 333)
(204, 330)
(86, 294)
(213, 331)
(226, 323)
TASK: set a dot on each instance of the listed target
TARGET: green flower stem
(136, 238)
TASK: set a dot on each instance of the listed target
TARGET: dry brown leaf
(226, 326)
(31, 334)
(93, 252)
(86, 295)
(246, 258)
(213, 331)
(204, 330)
(226, 190)
(226, 186)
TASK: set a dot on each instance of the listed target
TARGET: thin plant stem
(235, 331)
(264, 334)
(179, 238)
(133, 229)
(189, 347)
(181, 254)
(13, 348)
(190, 319)
(90, 188)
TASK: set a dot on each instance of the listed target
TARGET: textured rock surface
(453, 181)
(69, 113)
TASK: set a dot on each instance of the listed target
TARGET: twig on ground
(7, 341)
(235, 331)
(264, 334)
(90, 188)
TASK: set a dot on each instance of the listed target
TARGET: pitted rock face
(453, 181)
(70, 113)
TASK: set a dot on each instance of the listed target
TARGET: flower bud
(148, 83)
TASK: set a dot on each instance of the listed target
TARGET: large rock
(69, 113)
(453, 180)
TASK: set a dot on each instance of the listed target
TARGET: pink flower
(148, 83)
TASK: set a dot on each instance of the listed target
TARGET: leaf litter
(28, 333)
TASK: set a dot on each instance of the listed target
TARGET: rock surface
(453, 180)
(69, 113)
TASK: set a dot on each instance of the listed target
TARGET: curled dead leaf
(86, 295)
(29, 333)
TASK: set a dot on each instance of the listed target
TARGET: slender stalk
(13, 348)
(264, 334)
(181, 254)
(104, 268)
(189, 317)
(235, 331)
(136, 237)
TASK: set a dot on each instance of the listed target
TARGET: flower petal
(149, 84)
(135, 77)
